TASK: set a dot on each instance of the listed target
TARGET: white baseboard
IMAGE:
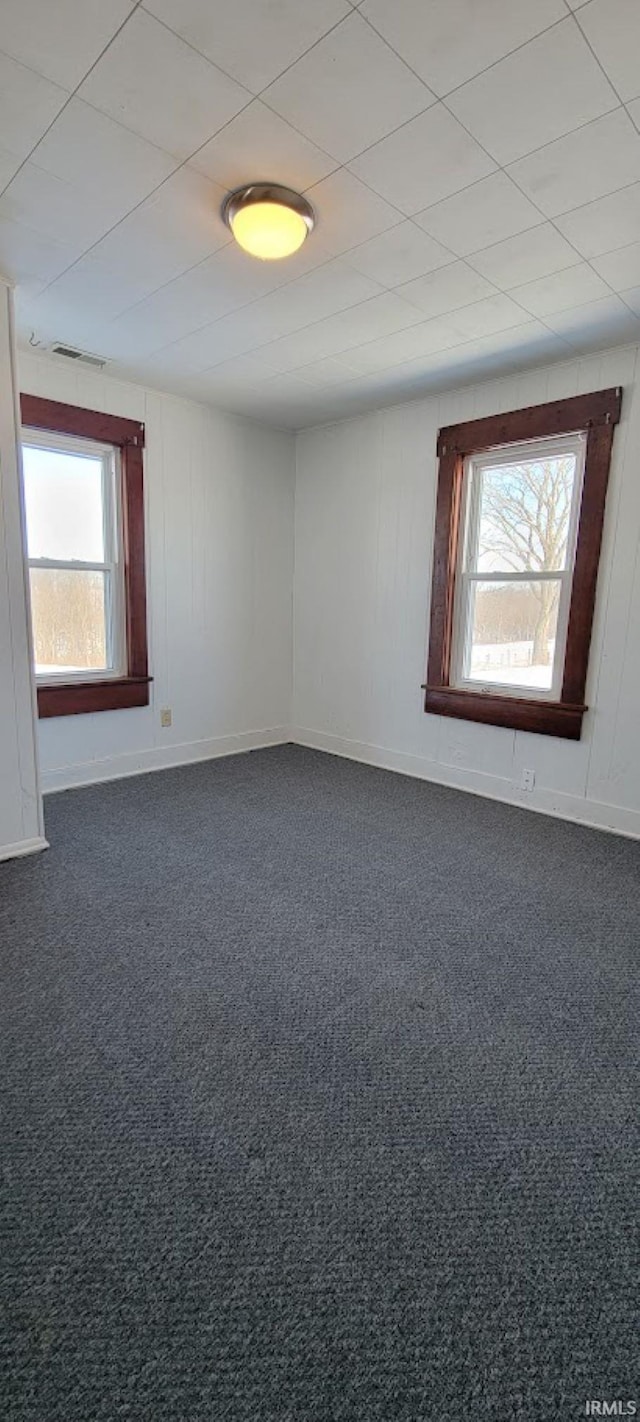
(117, 767)
(595, 814)
(615, 819)
(24, 846)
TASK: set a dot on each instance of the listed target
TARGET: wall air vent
(70, 353)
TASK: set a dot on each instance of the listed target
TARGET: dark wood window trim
(132, 689)
(595, 414)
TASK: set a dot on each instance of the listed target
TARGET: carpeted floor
(319, 1103)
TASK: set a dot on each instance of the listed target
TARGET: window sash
(112, 568)
(467, 573)
(73, 565)
(464, 640)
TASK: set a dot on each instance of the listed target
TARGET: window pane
(63, 501)
(513, 633)
(524, 515)
(68, 608)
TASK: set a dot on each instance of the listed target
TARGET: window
(85, 546)
(519, 517)
(74, 544)
(518, 529)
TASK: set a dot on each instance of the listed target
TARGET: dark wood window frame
(596, 415)
(132, 689)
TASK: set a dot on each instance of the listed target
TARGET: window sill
(84, 697)
(546, 718)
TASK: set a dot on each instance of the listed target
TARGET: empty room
(319, 710)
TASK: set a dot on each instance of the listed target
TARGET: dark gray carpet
(319, 1103)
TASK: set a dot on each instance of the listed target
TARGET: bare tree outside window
(69, 620)
(519, 518)
(524, 527)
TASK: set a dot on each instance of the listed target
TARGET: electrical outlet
(165, 716)
(527, 780)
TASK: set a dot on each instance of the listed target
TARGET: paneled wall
(365, 505)
(219, 523)
(219, 496)
(20, 806)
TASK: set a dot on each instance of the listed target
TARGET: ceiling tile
(446, 289)
(240, 371)
(166, 368)
(64, 39)
(321, 339)
(72, 323)
(446, 42)
(397, 367)
(423, 340)
(571, 287)
(601, 226)
(289, 352)
(58, 209)
(314, 296)
(423, 162)
(545, 89)
(374, 306)
(620, 269)
(632, 299)
(174, 383)
(262, 325)
(596, 324)
(28, 104)
(271, 401)
(285, 386)
(585, 165)
(489, 357)
(9, 165)
(612, 27)
(206, 347)
(93, 288)
(483, 318)
(399, 255)
(336, 336)
(222, 285)
(224, 282)
(89, 150)
(158, 86)
(305, 347)
(246, 327)
(331, 370)
(174, 229)
(348, 212)
(328, 93)
(464, 364)
(251, 40)
(524, 258)
(31, 258)
(367, 321)
(482, 214)
(258, 144)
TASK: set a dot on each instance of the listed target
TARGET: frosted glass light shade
(268, 221)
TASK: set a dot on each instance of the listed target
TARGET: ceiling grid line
(72, 94)
(386, 255)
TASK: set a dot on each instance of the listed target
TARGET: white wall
(219, 525)
(365, 505)
(219, 494)
(20, 805)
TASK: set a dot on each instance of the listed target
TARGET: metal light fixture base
(251, 193)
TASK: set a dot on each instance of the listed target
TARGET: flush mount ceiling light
(268, 221)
